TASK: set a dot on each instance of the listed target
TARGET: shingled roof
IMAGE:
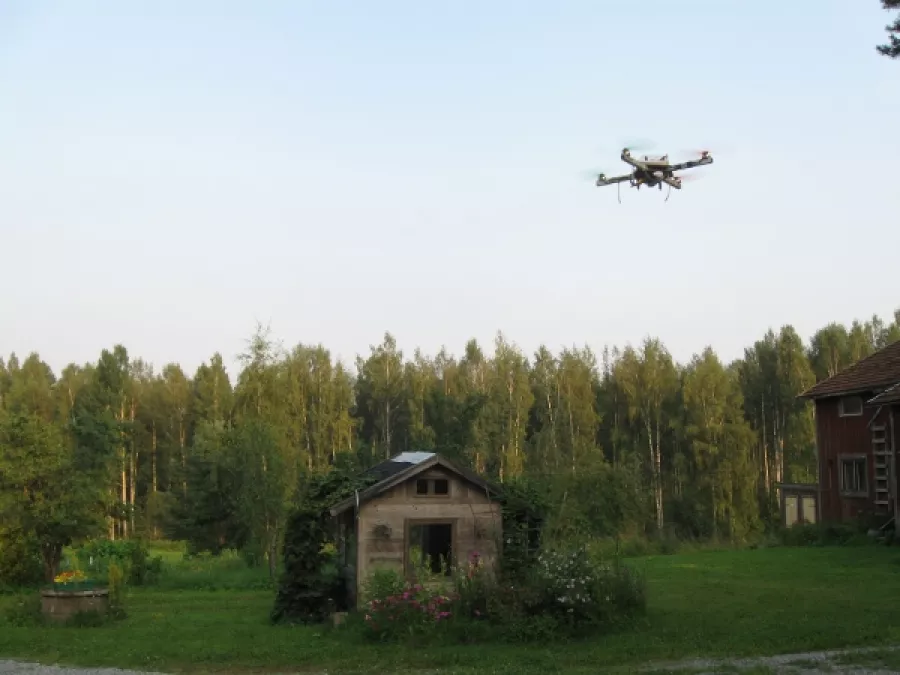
(889, 396)
(878, 371)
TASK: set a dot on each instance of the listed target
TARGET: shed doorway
(430, 546)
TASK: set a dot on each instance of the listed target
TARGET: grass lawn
(710, 604)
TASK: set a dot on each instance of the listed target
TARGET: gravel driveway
(23, 668)
(866, 661)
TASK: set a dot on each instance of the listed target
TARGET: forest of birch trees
(625, 442)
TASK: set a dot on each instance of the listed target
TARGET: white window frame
(860, 458)
(843, 413)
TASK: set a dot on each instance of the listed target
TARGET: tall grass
(227, 571)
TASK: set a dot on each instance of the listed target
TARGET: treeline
(625, 442)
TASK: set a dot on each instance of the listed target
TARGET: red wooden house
(857, 418)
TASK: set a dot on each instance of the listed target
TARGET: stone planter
(58, 605)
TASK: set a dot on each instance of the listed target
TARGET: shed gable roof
(403, 467)
(876, 371)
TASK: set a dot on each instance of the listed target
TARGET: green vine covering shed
(312, 584)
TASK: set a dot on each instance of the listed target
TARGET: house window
(441, 486)
(851, 406)
(421, 487)
(853, 476)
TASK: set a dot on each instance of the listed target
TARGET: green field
(212, 616)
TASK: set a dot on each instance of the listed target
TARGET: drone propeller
(696, 152)
(689, 177)
(591, 174)
(638, 145)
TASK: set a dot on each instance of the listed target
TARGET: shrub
(24, 611)
(115, 579)
(581, 595)
(131, 556)
(383, 583)
(524, 510)
(822, 534)
(20, 560)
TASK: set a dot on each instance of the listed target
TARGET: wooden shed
(422, 510)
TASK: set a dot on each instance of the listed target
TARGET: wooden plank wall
(838, 436)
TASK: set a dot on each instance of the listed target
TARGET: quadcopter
(653, 171)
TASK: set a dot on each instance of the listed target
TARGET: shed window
(851, 406)
(790, 510)
(853, 475)
(432, 486)
(808, 507)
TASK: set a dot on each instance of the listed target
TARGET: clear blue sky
(173, 171)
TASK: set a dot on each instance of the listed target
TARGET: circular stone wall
(61, 605)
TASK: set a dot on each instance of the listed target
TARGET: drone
(653, 171)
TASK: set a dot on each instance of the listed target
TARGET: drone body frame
(653, 171)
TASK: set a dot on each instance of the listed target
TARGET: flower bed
(565, 594)
(414, 610)
(74, 581)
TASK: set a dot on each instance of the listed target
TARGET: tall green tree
(382, 399)
(720, 441)
(649, 380)
(511, 391)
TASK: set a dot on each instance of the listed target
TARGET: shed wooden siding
(476, 519)
(837, 437)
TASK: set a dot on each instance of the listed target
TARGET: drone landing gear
(668, 193)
